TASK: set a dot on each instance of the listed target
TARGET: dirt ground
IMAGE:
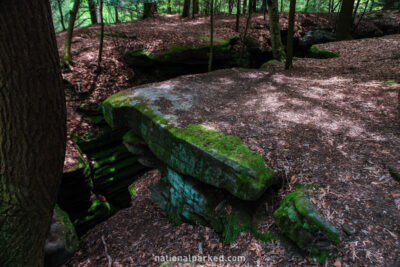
(332, 123)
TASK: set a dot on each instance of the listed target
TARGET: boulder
(317, 36)
(62, 240)
(304, 225)
(164, 116)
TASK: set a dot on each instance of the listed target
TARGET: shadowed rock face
(164, 116)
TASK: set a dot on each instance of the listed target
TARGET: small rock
(349, 229)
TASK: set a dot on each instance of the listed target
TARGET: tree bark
(186, 9)
(67, 58)
(92, 10)
(275, 30)
(345, 21)
(290, 33)
(98, 69)
(149, 10)
(237, 15)
(32, 130)
(210, 58)
(61, 14)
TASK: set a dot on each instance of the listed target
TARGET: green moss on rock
(323, 53)
(303, 224)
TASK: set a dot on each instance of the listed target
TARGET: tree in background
(32, 130)
(186, 9)
(345, 21)
(290, 33)
(237, 15)
(275, 30)
(149, 10)
(61, 14)
(210, 59)
(67, 58)
(92, 10)
(98, 70)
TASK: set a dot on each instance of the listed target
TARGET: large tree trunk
(186, 9)
(32, 130)
(149, 10)
(275, 30)
(61, 14)
(290, 33)
(345, 21)
(92, 10)
(67, 58)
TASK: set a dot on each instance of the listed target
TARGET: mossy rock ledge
(164, 115)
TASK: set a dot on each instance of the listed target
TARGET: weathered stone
(317, 36)
(62, 240)
(184, 199)
(223, 161)
(303, 224)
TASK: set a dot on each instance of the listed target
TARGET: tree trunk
(92, 10)
(116, 14)
(356, 9)
(230, 6)
(251, 3)
(98, 69)
(244, 6)
(290, 33)
(210, 59)
(196, 6)
(67, 58)
(149, 10)
(237, 15)
(345, 21)
(275, 30)
(61, 15)
(186, 9)
(32, 130)
(281, 5)
(306, 7)
(169, 11)
(264, 7)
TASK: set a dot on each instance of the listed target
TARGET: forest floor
(336, 126)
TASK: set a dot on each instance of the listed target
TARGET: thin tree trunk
(210, 59)
(98, 70)
(244, 6)
(372, 6)
(345, 21)
(281, 5)
(61, 15)
(230, 6)
(32, 130)
(67, 58)
(251, 3)
(264, 7)
(275, 30)
(92, 10)
(356, 9)
(290, 33)
(362, 16)
(169, 11)
(116, 14)
(196, 7)
(306, 7)
(237, 15)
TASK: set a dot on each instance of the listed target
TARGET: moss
(323, 53)
(113, 34)
(71, 238)
(271, 62)
(392, 82)
(131, 138)
(302, 223)
(229, 146)
(132, 190)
